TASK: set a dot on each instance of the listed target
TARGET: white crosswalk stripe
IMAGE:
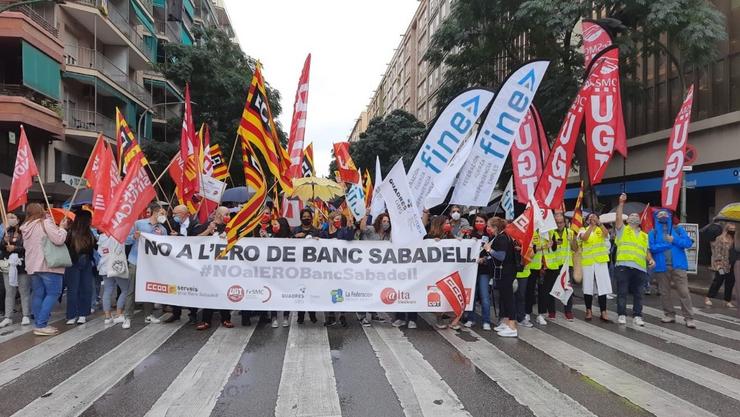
(16, 329)
(717, 316)
(701, 325)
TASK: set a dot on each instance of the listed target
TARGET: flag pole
(164, 194)
(46, 198)
(231, 158)
(77, 187)
(3, 211)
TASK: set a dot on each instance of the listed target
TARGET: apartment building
(409, 83)
(66, 66)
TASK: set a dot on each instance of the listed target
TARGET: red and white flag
(454, 291)
(562, 290)
(128, 202)
(23, 173)
(298, 123)
(646, 219)
(92, 169)
(676, 154)
(605, 131)
(105, 186)
(522, 231)
(595, 40)
(526, 157)
(189, 152)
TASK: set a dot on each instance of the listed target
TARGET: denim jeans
(78, 279)
(483, 295)
(109, 288)
(520, 298)
(47, 286)
(629, 280)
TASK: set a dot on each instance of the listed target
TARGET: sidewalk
(699, 283)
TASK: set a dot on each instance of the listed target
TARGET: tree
(397, 135)
(219, 74)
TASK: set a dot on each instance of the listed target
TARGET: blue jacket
(658, 245)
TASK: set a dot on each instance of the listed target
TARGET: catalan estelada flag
(576, 223)
(220, 170)
(258, 128)
(128, 147)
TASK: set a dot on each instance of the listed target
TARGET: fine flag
(128, 202)
(676, 153)
(220, 169)
(595, 40)
(355, 199)
(345, 164)
(442, 185)
(92, 169)
(377, 204)
(605, 129)
(454, 291)
(189, 153)
(562, 290)
(526, 156)
(128, 148)
(367, 187)
(507, 200)
(23, 173)
(258, 128)
(480, 174)
(298, 123)
(576, 223)
(308, 166)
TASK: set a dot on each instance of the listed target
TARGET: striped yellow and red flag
(308, 169)
(220, 169)
(258, 127)
(367, 185)
(576, 223)
(128, 147)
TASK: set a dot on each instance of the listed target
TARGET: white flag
(445, 181)
(405, 220)
(483, 167)
(544, 220)
(507, 200)
(356, 201)
(377, 205)
(562, 290)
(211, 188)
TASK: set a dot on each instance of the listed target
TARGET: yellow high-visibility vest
(556, 258)
(632, 247)
(595, 249)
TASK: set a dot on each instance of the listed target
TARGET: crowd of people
(619, 260)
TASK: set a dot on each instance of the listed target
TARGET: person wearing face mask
(482, 288)
(338, 229)
(379, 230)
(281, 229)
(501, 250)
(722, 250)
(460, 225)
(439, 228)
(304, 231)
(668, 244)
(595, 262)
(11, 246)
(216, 226)
(632, 260)
(558, 250)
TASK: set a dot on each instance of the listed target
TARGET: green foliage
(219, 74)
(397, 135)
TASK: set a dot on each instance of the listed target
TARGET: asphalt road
(564, 368)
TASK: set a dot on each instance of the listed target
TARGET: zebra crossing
(566, 368)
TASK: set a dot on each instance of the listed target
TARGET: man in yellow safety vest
(633, 259)
(559, 250)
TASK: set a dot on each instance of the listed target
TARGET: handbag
(56, 256)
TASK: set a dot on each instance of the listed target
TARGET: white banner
(482, 169)
(377, 205)
(692, 253)
(405, 220)
(356, 201)
(443, 139)
(445, 181)
(302, 274)
(212, 188)
(507, 200)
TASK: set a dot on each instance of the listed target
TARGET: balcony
(77, 56)
(89, 121)
(33, 15)
(20, 104)
(165, 112)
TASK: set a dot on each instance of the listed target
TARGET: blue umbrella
(84, 196)
(236, 195)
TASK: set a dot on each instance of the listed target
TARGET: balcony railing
(18, 90)
(90, 121)
(148, 5)
(165, 112)
(87, 58)
(33, 15)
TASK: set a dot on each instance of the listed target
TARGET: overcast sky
(350, 43)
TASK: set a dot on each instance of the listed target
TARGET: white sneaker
(526, 317)
(541, 320)
(412, 324)
(398, 323)
(71, 322)
(441, 325)
(622, 320)
(487, 326)
(82, 320)
(25, 321)
(151, 319)
(508, 332)
(126, 324)
(286, 323)
(469, 324)
(108, 320)
(275, 324)
(119, 319)
(611, 296)
(526, 323)
(6, 322)
(500, 327)
(637, 321)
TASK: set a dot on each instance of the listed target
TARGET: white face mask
(455, 215)
(162, 219)
(12, 222)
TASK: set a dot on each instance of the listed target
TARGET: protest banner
(407, 225)
(302, 274)
(676, 153)
(692, 253)
(479, 175)
(443, 139)
(377, 204)
(527, 159)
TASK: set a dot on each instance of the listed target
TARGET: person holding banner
(668, 245)
(501, 250)
(632, 261)
(482, 232)
(78, 278)
(306, 230)
(559, 249)
(595, 262)
(11, 247)
(460, 225)
(338, 229)
(186, 225)
(440, 228)
(46, 282)
(217, 226)
(380, 230)
(280, 228)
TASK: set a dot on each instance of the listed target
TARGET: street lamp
(28, 3)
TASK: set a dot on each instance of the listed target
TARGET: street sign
(692, 253)
(690, 155)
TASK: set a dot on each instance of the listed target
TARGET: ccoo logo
(235, 293)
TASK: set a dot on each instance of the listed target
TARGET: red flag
(298, 124)
(526, 157)
(544, 144)
(595, 40)
(646, 219)
(105, 186)
(345, 164)
(604, 118)
(128, 202)
(674, 157)
(92, 169)
(522, 231)
(23, 173)
(189, 152)
(454, 291)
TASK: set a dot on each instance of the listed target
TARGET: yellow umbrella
(730, 212)
(311, 188)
